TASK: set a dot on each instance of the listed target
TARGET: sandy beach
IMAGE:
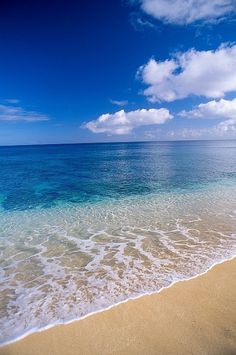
(197, 316)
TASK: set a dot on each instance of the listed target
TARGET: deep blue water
(42, 176)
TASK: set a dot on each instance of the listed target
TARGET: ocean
(86, 226)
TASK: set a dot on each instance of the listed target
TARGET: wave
(65, 263)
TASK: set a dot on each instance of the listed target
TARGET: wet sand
(197, 316)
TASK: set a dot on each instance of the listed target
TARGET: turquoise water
(86, 226)
(44, 176)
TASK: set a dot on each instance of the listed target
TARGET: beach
(196, 316)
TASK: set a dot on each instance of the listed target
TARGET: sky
(118, 70)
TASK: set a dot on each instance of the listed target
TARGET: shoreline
(22, 345)
(59, 323)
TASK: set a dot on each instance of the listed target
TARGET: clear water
(83, 227)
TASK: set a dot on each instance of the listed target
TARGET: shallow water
(84, 227)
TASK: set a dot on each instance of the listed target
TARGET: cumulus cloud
(122, 122)
(223, 109)
(181, 12)
(203, 73)
(227, 126)
(15, 113)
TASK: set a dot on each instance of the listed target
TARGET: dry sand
(192, 317)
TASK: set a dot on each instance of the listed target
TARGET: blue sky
(77, 71)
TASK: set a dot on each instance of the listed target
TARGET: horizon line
(117, 142)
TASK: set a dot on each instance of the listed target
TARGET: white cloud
(188, 11)
(119, 103)
(221, 131)
(15, 113)
(203, 73)
(223, 109)
(227, 126)
(122, 122)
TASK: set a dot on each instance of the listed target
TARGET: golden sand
(192, 317)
